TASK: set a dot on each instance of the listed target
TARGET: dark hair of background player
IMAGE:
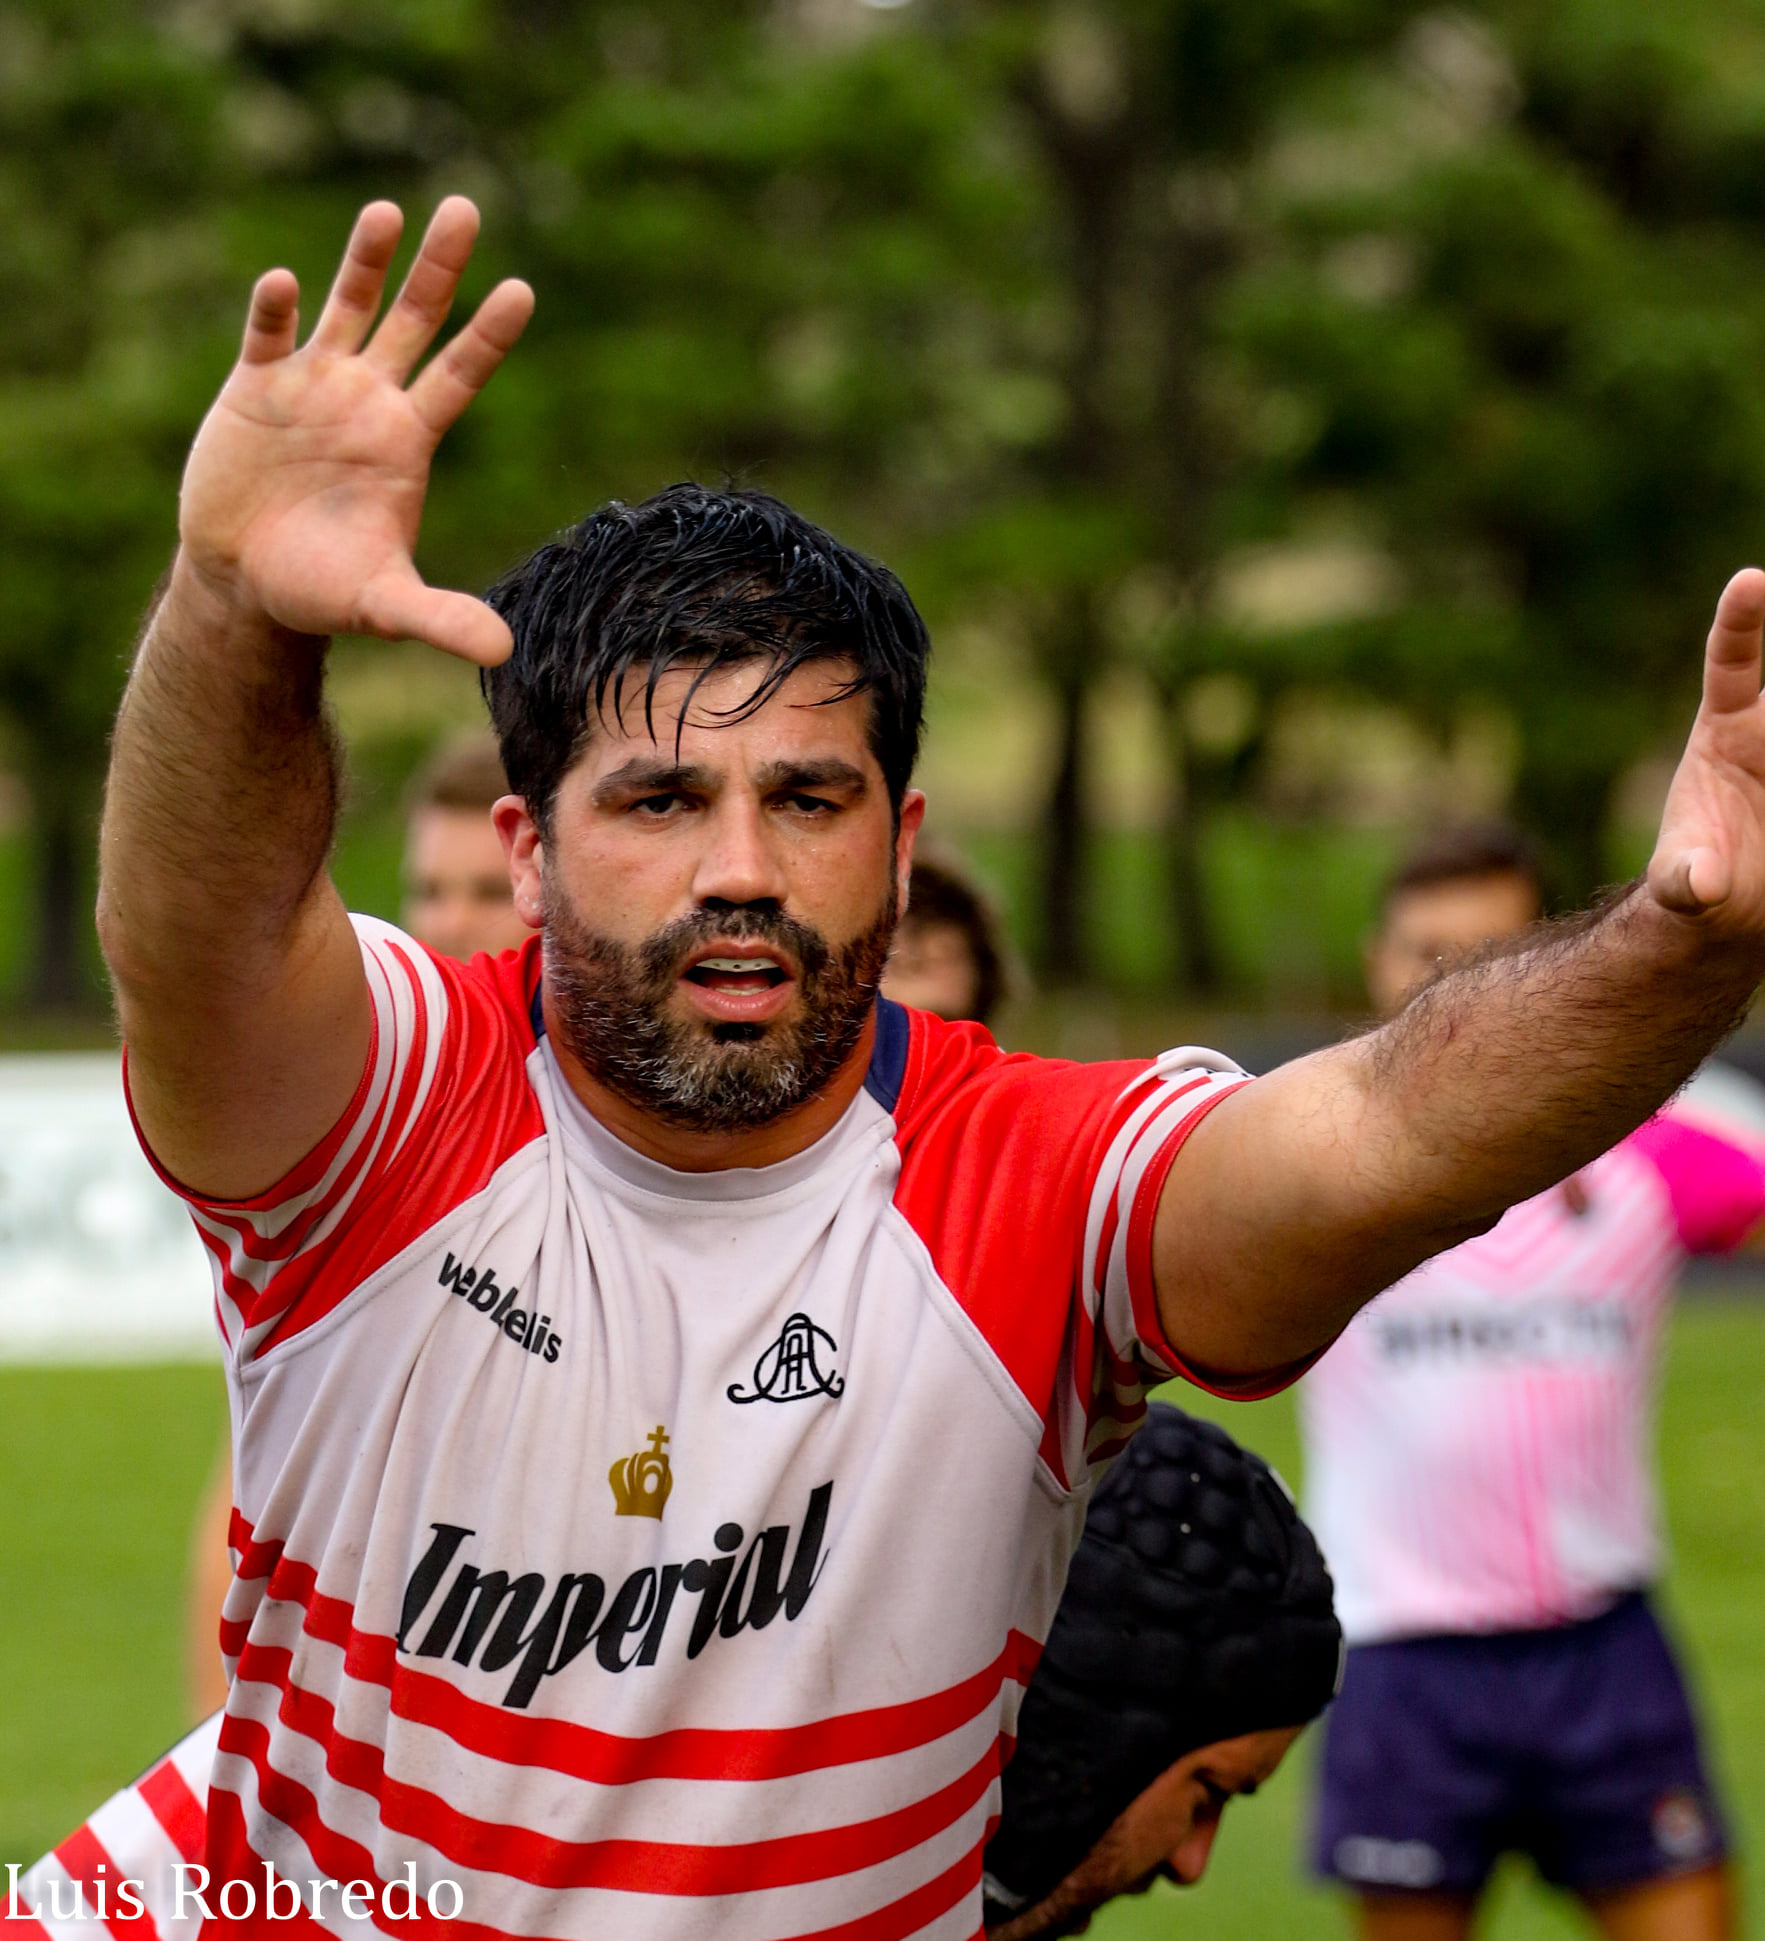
(699, 579)
(941, 894)
(1461, 852)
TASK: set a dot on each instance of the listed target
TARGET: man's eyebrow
(828, 772)
(650, 775)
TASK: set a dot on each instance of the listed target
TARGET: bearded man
(667, 1381)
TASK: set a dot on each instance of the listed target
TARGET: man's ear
(525, 850)
(906, 834)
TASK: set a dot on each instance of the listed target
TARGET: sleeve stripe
(254, 1242)
(176, 1808)
(1117, 1346)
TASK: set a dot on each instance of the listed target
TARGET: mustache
(662, 956)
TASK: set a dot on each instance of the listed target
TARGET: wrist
(1686, 942)
(204, 602)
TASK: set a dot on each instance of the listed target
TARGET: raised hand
(304, 489)
(1709, 860)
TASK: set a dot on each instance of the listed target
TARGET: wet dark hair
(701, 579)
(1464, 851)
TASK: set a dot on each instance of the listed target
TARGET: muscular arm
(239, 985)
(1301, 1197)
(238, 980)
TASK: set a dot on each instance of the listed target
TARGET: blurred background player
(1480, 1477)
(458, 901)
(457, 898)
(1176, 1677)
(949, 953)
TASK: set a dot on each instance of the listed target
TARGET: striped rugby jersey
(141, 1835)
(657, 1554)
(1478, 1441)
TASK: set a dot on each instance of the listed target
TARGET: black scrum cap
(1197, 1609)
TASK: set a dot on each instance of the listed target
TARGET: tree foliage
(1056, 302)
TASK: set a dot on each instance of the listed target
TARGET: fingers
(354, 301)
(1731, 655)
(402, 608)
(463, 369)
(272, 322)
(410, 325)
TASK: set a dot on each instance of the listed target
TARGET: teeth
(737, 964)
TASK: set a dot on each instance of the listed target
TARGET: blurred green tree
(109, 140)
(1536, 350)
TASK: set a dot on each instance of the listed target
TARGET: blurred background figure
(949, 955)
(456, 880)
(1480, 1476)
(457, 900)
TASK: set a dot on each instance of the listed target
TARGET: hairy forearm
(1333, 1177)
(222, 793)
(1505, 1076)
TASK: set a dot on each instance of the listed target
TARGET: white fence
(98, 1261)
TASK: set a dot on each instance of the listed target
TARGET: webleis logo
(641, 1482)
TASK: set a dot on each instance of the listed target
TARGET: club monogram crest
(641, 1482)
(789, 1370)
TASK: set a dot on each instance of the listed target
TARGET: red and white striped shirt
(1477, 1442)
(659, 1554)
(122, 1870)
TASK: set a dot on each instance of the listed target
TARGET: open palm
(304, 489)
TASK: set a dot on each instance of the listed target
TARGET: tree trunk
(60, 978)
(1567, 814)
(1192, 942)
(1064, 956)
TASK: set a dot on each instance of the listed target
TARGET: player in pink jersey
(1478, 1471)
(668, 1381)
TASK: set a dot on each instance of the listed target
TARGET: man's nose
(1189, 1857)
(740, 862)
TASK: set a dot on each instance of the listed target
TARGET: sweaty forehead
(713, 721)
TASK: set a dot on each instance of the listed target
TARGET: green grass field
(100, 1470)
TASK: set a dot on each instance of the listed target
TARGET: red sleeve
(443, 1101)
(1033, 1183)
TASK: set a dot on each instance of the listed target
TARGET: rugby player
(668, 1381)
(1478, 1470)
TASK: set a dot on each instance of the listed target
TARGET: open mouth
(738, 974)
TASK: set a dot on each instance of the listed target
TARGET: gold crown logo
(641, 1482)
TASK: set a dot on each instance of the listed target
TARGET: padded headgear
(1198, 1608)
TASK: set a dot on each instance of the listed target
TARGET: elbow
(122, 955)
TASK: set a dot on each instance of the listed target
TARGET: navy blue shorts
(1576, 1746)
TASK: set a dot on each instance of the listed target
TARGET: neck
(687, 1151)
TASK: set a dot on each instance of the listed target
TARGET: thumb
(403, 608)
(1689, 881)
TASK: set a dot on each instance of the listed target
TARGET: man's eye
(655, 805)
(809, 804)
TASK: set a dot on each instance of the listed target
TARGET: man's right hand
(305, 486)
(238, 978)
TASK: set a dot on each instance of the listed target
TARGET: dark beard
(609, 1000)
